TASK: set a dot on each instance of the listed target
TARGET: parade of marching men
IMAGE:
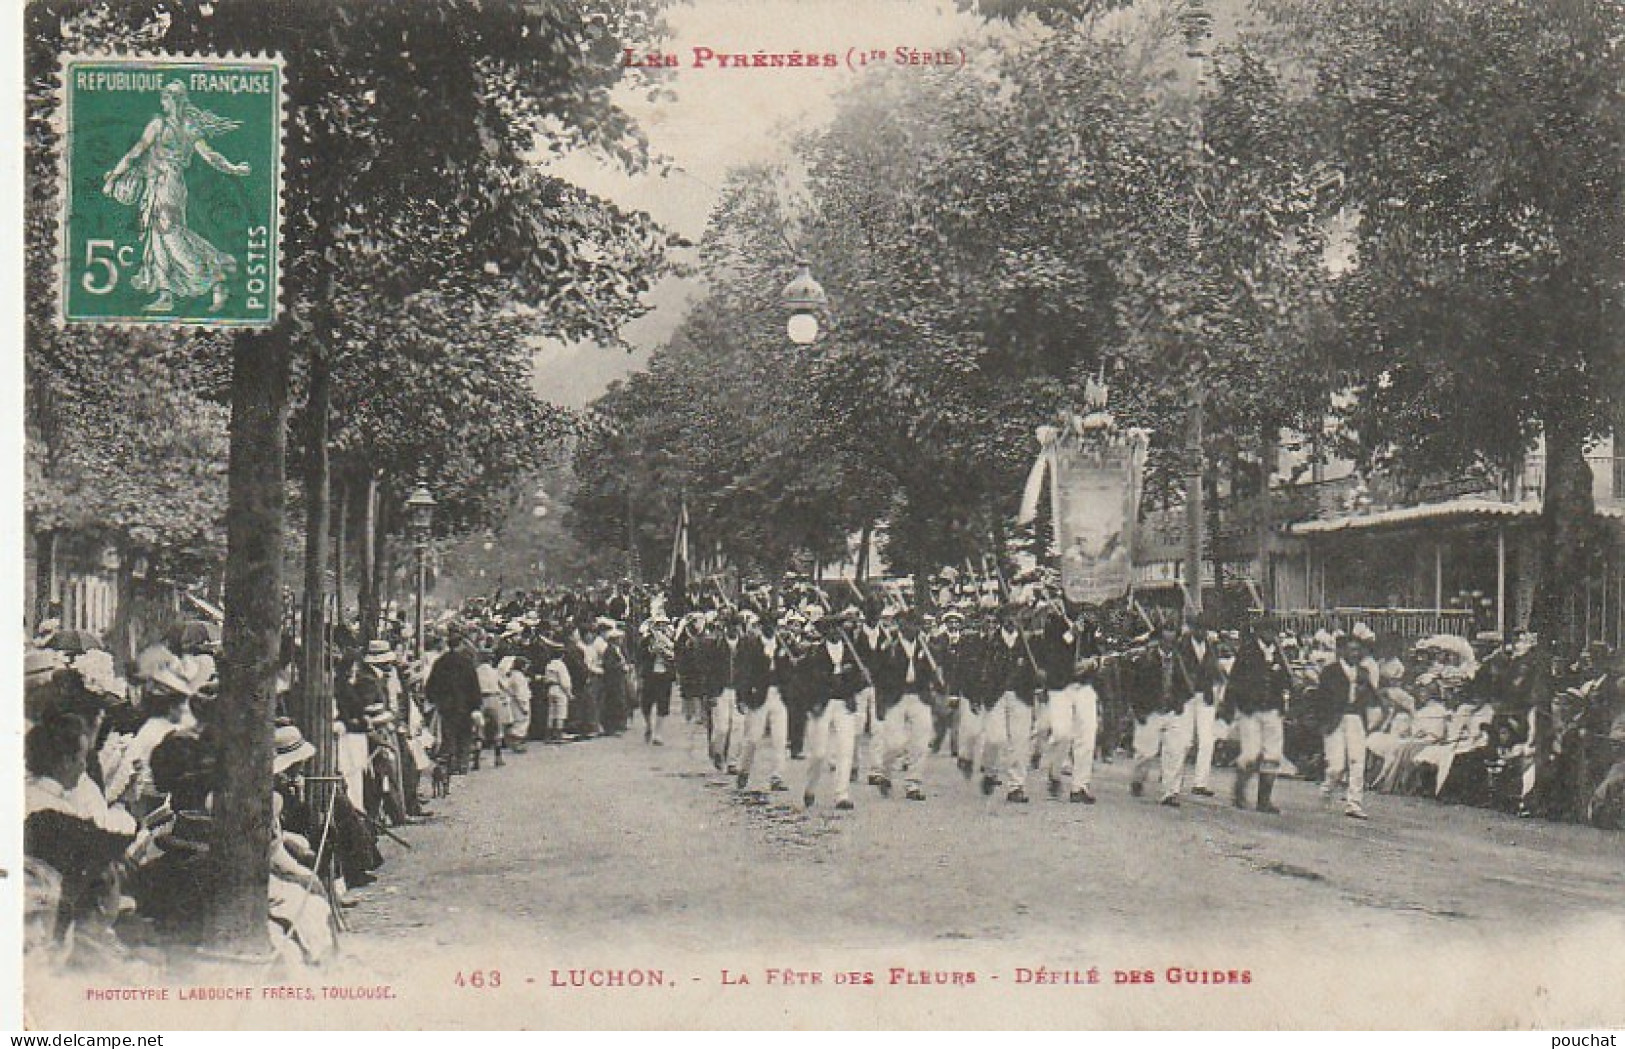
(549, 476)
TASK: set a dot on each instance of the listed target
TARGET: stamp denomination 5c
(171, 187)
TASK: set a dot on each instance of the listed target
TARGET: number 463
(104, 258)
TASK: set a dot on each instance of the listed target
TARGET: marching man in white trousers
(906, 724)
(1012, 675)
(760, 697)
(834, 679)
(1341, 697)
(1199, 677)
(1260, 683)
(1071, 661)
(1164, 735)
(727, 723)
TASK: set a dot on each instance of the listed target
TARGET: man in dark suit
(1260, 682)
(453, 689)
(1341, 697)
(1199, 677)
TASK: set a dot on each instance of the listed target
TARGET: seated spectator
(181, 866)
(1467, 732)
(67, 826)
(1406, 738)
(167, 704)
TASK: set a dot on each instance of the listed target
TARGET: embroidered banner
(1096, 475)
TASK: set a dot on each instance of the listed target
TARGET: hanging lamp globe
(803, 299)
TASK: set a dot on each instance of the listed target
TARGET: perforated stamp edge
(59, 125)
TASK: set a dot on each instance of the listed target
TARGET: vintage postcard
(809, 514)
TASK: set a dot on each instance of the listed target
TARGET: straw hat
(379, 653)
(291, 748)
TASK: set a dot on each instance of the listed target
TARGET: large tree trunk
(1194, 518)
(367, 591)
(1267, 452)
(380, 563)
(1215, 518)
(1567, 532)
(1001, 545)
(314, 714)
(44, 576)
(340, 528)
(235, 907)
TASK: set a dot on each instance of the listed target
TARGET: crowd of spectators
(121, 773)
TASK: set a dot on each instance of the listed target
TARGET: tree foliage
(1480, 144)
(991, 241)
(1481, 148)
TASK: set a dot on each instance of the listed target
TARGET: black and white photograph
(819, 514)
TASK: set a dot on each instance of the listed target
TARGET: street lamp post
(420, 509)
(1196, 24)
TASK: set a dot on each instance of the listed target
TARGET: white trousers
(770, 721)
(1263, 739)
(1040, 730)
(1074, 723)
(831, 736)
(1201, 716)
(1164, 736)
(1345, 752)
(352, 763)
(727, 728)
(906, 736)
(867, 719)
(1007, 729)
(968, 734)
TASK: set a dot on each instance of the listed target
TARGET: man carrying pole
(905, 713)
(1071, 660)
(833, 677)
(1013, 677)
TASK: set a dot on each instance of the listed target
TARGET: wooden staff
(867, 677)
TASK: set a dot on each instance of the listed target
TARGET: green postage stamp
(171, 189)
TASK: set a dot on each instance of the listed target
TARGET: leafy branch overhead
(426, 265)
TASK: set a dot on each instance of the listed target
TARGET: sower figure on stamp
(175, 260)
(1260, 683)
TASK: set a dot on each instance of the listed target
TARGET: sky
(720, 118)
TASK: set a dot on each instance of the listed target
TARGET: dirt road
(612, 855)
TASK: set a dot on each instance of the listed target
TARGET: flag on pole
(678, 600)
